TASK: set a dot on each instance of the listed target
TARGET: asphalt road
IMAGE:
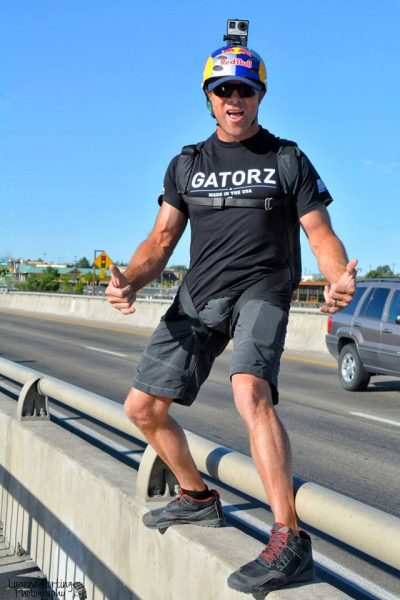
(355, 454)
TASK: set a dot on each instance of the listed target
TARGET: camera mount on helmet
(236, 32)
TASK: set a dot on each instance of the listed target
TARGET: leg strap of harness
(252, 292)
(188, 306)
(259, 288)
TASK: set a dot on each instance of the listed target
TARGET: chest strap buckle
(268, 204)
(218, 202)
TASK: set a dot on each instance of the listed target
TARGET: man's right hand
(119, 292)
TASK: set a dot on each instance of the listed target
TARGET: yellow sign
(103, 261)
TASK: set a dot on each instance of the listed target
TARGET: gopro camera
(237, 32)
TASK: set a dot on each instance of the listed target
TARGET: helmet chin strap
(210, 108)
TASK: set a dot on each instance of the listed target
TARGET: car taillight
(329, 325)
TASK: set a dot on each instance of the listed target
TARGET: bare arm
(153, 253)
(332, 259)
(149, 259)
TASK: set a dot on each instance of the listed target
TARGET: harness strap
(254, 291)
(258, 289)
(232, 201)
(187, 304)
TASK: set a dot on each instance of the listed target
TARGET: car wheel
(352, 374)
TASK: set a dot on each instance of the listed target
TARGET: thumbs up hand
(120, 292)
(338, 295)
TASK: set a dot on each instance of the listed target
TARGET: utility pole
(94, 270)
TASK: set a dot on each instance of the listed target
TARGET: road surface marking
(132, 330)
(309, 361)
(106, 351)
(79, 322)
(365, 416)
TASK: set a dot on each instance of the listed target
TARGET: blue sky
(97, 96)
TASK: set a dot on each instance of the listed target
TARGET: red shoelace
(178, 499)
(182, 495)
(276, 543)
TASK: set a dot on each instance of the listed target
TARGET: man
(236, 248)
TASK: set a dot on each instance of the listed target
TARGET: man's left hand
(339, 294)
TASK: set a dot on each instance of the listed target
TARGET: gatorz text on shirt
(225, 179)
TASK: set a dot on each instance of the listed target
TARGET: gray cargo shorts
(179, 355)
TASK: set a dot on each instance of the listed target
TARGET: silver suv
(365, 336)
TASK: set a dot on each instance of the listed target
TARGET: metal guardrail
(363, 527)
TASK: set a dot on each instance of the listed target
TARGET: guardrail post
(155, 480)
(32, 405)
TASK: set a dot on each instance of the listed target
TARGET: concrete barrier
(343, 518)
(306, 331)
(73, 509)
(147, 315)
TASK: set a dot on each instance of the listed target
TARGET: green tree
(88, 278)
(166, 283)
(382, 271)
(318, 277)
(79, 287)
(66, 286)
(177, 267)
(47, 281)
(83, 263)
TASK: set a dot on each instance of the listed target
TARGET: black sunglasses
(225, 90)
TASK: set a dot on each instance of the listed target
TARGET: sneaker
(185, 509)
(286, 559)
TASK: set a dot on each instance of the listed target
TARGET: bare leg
(269, 444)
(150, 415)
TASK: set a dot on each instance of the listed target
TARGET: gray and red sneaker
(187, 510)
(286, 559)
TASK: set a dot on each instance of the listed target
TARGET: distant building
(170, 275)
(310, 292)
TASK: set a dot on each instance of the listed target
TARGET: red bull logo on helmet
(237, 61)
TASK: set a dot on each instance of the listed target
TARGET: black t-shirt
(235, 247)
